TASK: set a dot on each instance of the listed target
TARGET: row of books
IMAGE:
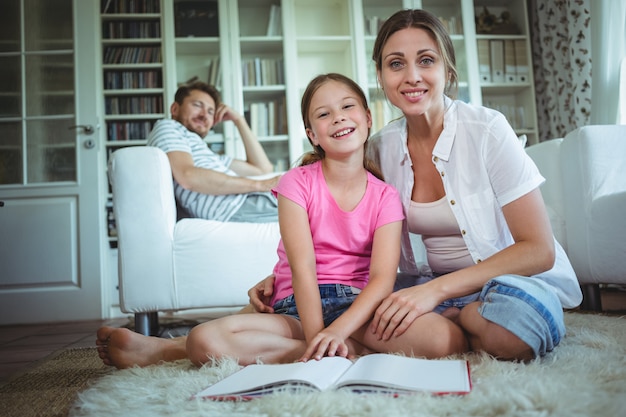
(452, 24)
(122, 80)
(215, 72)
(262, 71)
(133, 105)
(267, 118)
(132, 55)
(136, 130)
(274, 25)
(503, 61)
(131, 6)
(131, 29)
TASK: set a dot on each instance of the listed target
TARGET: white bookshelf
(305, 39)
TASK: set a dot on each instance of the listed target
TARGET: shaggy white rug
(584, 376)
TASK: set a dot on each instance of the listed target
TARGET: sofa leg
(147, 323)
(591, 297)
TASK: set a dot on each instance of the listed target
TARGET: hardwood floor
(22, 346)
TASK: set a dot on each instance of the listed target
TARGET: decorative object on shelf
(197, 18)
(490, 24)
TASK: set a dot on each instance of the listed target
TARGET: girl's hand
(398, 311)
(325, 343)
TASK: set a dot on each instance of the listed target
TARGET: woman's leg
(430, 335)
(492, 338)
(271, 338)
(515, 318)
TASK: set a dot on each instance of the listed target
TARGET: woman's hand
(261, 294)
(326, 343)
(398, 311)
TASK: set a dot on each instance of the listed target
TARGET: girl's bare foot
(123, 348)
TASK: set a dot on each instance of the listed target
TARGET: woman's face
(413, 74)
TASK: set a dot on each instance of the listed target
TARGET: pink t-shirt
(342, 240)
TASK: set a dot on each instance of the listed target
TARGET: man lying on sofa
(208, 185)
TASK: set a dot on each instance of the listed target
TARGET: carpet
(50, 387)
(584, 376)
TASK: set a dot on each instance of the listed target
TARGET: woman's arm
(532, 253)
(382, 275)
(295, 232)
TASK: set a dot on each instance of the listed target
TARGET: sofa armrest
(594, 176)
(145, 213)
(547, 157)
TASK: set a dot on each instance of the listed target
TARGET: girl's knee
(203, 344)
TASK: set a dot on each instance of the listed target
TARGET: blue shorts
(525, 306)
(336, 299)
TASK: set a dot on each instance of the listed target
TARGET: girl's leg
(124, 348)
(430, 335)
(271, 338)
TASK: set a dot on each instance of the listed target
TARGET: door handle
(87, 129)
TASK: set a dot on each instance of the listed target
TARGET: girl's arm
(532, 253)
(295, 232)
(383, 269)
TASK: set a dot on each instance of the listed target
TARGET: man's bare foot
(123, 348)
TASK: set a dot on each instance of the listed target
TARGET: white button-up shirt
(483, 168)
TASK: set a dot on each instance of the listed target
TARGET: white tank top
(445, 249)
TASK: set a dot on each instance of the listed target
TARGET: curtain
(561, 49)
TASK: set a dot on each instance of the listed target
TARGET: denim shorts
(525, 306)
(336, 299)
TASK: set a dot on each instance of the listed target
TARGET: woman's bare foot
(123, 348)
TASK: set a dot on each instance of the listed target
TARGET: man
(208, 185)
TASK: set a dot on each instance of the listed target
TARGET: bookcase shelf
(132, 76)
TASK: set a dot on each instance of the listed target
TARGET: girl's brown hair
(420, 19)
(318, 153)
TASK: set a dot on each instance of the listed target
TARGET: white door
(51, 216)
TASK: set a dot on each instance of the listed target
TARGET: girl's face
(413, 74)
(196, 113)
(339, 122)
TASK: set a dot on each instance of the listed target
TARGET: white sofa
(585, 194)
(167, 264)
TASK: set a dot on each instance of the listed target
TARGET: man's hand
(224, 113)
(261, 295)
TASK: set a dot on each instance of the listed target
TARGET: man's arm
(256, 162)
(208, 181)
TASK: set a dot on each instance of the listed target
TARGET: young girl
(340, 227)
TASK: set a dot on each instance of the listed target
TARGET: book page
(257, 378)
(405, 373)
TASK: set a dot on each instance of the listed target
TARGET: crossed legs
(276, 338)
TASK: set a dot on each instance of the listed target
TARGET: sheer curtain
(567, 36)
(608, 24)
(561, 43)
